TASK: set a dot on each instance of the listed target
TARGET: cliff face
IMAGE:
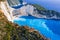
(27, 10)
(10, 31)
(36, 11)
(48, 14)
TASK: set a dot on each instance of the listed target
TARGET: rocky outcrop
(38, 12)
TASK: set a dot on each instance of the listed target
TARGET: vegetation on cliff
(38, 7)
(45, 13)
(10, 31)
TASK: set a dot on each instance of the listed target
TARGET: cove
(49, 28)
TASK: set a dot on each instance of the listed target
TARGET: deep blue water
(54, 25)
(49, 28)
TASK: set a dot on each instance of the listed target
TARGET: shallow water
(49, 28)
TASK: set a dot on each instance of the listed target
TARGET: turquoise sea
(49, 28)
